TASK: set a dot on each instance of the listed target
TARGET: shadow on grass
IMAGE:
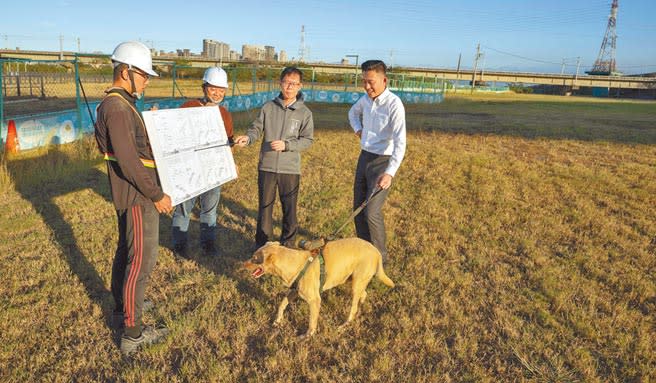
(41, 194)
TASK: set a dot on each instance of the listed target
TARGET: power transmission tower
(605, 64)
(301, 48)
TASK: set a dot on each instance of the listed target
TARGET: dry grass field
(522, 237)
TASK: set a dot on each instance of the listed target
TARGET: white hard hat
(216, 76)
(134, 54)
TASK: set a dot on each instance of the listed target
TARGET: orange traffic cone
(11, 145)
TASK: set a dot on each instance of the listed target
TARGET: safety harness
(110, 156)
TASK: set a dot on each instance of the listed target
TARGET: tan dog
(350, 257)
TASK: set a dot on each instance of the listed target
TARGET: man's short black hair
(118, 69)
(291, 70)
(374, 65)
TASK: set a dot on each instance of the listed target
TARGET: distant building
(252, 52)
(183, 52)
(282, 56)
(234, 56)
(269, 53)
(215, 50)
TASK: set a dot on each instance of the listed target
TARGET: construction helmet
(216, 77)
(134, 54)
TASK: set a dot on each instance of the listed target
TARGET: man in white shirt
(378, 119)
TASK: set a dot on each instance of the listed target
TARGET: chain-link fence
(52, 101)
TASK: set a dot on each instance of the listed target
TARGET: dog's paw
(307, 335)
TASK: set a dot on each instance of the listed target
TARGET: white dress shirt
(382, 122)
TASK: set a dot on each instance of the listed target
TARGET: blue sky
(528, 35)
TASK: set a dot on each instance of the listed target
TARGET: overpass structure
(572, 81)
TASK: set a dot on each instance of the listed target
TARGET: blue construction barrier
(38, 130)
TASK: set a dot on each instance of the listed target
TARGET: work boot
(210, 249)
(118, 318)
(149, 335)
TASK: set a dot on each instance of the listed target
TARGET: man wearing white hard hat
(136, 193)
(215, 83)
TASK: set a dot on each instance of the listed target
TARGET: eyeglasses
(145, 75)
(290, 84)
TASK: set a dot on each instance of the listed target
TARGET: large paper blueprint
(191, 150)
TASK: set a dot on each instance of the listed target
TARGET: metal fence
(54, 101)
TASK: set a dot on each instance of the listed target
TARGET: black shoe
(118, 318)
(149, 335)
(210, 249)
(180, 250)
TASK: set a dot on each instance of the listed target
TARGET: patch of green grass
(521, 234)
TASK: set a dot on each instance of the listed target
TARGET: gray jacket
(294, 125)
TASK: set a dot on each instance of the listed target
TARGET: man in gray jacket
(288, 130)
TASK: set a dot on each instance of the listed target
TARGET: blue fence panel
(64, 127)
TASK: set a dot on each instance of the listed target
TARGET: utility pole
(478, 55)
(356, 68)
(391, 58)
(61, 47)
(457, 73)
(78, 45)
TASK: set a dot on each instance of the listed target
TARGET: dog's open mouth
(257, 272)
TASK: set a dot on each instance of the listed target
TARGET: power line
(522, 57)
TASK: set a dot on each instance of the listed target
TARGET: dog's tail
(380, 274)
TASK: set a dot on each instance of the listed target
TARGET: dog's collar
(314, 254)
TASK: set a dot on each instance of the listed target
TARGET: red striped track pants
(135, 258)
